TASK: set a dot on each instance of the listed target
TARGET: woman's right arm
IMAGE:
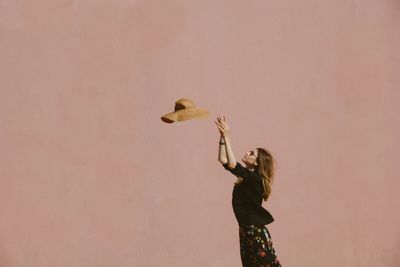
(224, 130)
(222, 151)
(221, 146)
(226, 156)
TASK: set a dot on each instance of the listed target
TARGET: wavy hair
(266, 168)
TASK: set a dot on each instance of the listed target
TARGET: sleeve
(239, 170)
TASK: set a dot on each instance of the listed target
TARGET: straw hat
(184, 110)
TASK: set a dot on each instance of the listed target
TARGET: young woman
(253, 185)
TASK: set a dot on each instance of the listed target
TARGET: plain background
(90, 176)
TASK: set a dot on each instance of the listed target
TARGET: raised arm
(221, 147)
(228, 156)
(222, 151)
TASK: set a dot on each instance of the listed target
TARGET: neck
(251, 167)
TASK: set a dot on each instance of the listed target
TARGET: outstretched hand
(222, 125)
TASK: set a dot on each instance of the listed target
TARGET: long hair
(266, 167)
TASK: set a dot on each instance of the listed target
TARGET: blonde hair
(266, 168)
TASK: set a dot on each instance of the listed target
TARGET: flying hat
(184, 110)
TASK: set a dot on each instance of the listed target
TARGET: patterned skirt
(256, 248)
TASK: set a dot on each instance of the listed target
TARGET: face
(250, 158)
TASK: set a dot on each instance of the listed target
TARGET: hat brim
(184, 114)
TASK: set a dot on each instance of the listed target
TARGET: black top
(247, 197)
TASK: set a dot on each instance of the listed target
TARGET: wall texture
(91, 177)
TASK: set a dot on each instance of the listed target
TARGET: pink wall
(91, 177)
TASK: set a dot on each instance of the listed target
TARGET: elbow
(232, 165)
(223, 162)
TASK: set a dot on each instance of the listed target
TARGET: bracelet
(222, 143)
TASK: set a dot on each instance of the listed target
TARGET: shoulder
(238, 170)
(230, 166)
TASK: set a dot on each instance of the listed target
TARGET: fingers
(221, 119)
(221, 122)
(221, 127)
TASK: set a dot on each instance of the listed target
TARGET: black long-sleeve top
(247, 197)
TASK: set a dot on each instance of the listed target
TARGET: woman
(253, 185)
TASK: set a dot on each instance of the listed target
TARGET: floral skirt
(256, 248)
